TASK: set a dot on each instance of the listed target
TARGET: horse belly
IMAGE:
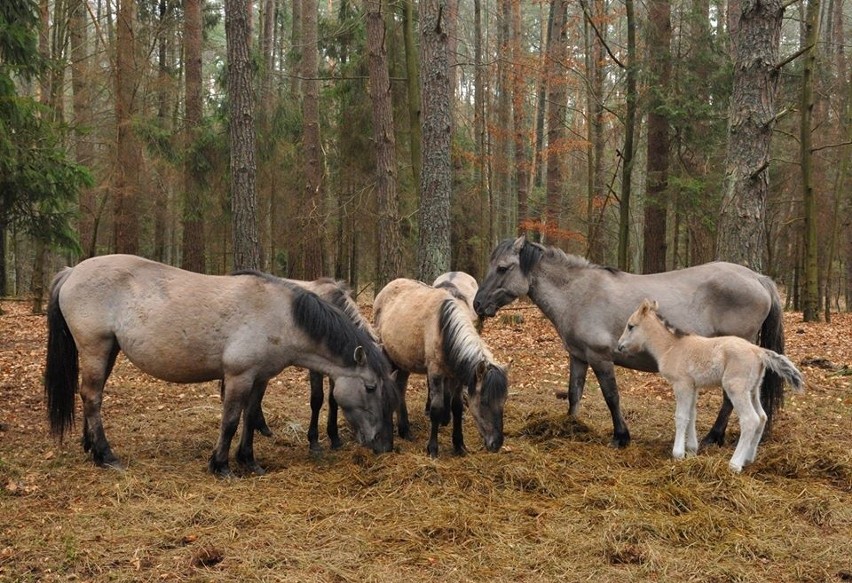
(174, 361)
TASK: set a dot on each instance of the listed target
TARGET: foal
(690, 362)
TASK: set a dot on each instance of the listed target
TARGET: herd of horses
(245, 328)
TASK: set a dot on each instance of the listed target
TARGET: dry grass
(556, 504)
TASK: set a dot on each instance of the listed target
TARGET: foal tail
(785, 369)
(772, 337)
(60, 373)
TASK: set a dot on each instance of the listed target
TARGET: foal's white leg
(683, 402)
(755, 401)
(691, 437)
(741, 397)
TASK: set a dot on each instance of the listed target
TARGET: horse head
(507, 278)
(486, 399)
(368, 397)
(632, 340)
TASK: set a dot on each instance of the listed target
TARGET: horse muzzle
(494, 444)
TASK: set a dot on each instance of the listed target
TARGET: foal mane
(463, 351)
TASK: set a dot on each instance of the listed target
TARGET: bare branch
(599, 35)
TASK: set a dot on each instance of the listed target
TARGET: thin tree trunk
(434, 250)
(555, 122)
(241, 137)
(313, 211)
(194, 241)
(627, 154)
(522, 164)
(295, 54)
(597, 193)
(485, 222)
(413, 79)
(503, 156)
(811, 296)
(389, 260)
(656, 199)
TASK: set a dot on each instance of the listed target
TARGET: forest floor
(557, 503)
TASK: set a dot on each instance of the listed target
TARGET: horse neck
(658, 338)
(549, 280)
(319, 362)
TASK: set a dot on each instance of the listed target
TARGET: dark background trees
(357, 176)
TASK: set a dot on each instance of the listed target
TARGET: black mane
(531, 253)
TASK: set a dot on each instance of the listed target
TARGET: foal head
(634, 337)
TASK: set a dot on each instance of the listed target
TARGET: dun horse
(691, 362)
(589, 305)
(427, 330)
(186, 327)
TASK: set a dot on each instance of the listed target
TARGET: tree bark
(413, 79)
(755, 27)
(436, 179)
(389, 260)
(241, 137)
(519, 119)
(193, 202)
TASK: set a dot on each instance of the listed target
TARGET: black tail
(772, 337)
(61, 370)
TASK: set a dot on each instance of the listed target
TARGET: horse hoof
(256, 470)
(735, 468)
(264, 431)
(460, 451)
(713, 439)
(316, 450)
(336, 444)
(432, 451)
(620, 442)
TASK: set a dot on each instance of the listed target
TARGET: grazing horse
(690, 362)
(186, 327)
(427, 330)
(461, 285)
(336, 293)
(589, 305)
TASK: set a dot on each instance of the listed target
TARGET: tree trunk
(313, 211)
(755, 34)
(502, 130)
(436, 179)
(84, 150)
(413, 79)
(519, 118)
(128, 159)
(627, 154)
(555, 122)
(486, 225)
(811, 295)
(295, 54)
(597, 192)
(194, 242)
(241, 137)
(656, 199)
(389, 260)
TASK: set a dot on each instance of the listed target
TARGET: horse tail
(785, 368)
(772, 337)
(61, 381)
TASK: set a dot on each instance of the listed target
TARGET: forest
(384, 138)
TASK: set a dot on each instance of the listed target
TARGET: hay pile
(556, 504)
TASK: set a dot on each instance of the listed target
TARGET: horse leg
(683, 411)
(402, 413)
(716, 435)
(259, 423)
(245, 449)
(577, 370)
(457, 405)
(438, 411)
(763, 417)
(605, 373)
(691, 435)
(234, 399)
(317, 398)
(331, 426)
(749, 422)
(94, 371)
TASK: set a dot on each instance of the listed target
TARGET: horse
(186, 327)
(589, 304)
(460, 284)
(690, 362)
(336, 293)
(426, 330)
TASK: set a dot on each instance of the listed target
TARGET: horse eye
(370, 388)
(630, 327)
(502, 268)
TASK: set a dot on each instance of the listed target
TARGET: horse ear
(480, 369)
(360, 356)
(519, 243)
